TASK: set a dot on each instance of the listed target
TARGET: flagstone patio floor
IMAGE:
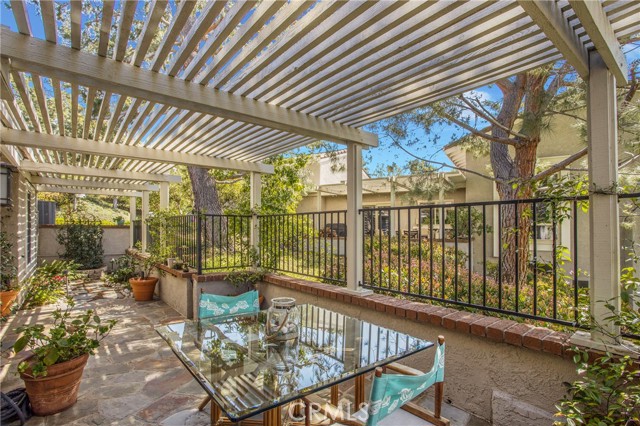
(134, 378)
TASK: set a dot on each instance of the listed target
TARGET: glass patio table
(245, 374)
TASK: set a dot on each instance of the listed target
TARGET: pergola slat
(21, 85)
(148, 32)
(59, 169)
(76, 24)
(49, 21)
(127, 12)
(105, 27)
(89, 147)
(86, 183)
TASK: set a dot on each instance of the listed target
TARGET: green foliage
(8, 268)
(146, 262)
(47, 284)
(608, 390)
(607, 393)
(81, 238)
(460, 228)
(68, 337)
(123, 268)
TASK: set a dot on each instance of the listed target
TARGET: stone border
(495, 329)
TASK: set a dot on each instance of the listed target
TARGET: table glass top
(246, 373)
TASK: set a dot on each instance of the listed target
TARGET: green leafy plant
(244, 277)
(47, 284)
(8, 268)
(69, 337)
(118, 220)
(608, 390)
(122, 268)
(81, 237)
(146, 262)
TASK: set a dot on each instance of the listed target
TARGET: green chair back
(214, 305)
(391, 391)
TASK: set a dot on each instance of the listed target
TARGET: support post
(604, 226)
(255, 202)
(392, 203)
(132, 218)
(164, 195)
(318, 200)
(354, 218)
(145, 214)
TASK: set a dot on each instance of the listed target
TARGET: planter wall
(115, 242)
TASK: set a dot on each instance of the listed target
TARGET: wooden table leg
(359, 392)
(273, 417)
(204, 403)
(215, 413)
(335, 395)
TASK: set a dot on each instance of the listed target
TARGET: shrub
(123, 268)
(81, 237)
(47, 284)
(8, 269)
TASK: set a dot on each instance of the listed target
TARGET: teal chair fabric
(391, 391)
(213, 305)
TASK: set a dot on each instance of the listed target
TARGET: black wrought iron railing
(305, 244)
(519, 257)
(137, 232)
(224, 242)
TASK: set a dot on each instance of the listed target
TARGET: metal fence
(305, 244)
(137, 232)
(519, 257)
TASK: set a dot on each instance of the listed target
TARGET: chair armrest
(425, 414)
(403, 369)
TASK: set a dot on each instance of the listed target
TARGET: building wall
(20, 221)
(115, 242)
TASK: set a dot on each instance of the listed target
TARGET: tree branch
(462, 169)
(560, 165)
(487, 116)
(476, 132)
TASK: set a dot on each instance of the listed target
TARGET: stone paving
(134, 378)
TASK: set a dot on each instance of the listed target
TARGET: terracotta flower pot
(58, 390)
(7, 298)
(143, 288)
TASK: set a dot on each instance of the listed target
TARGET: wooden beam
(549, 17)
(87, 191)
(31, 166)
(597, 26)
(29, 53)
(84, 146)
(38, 180)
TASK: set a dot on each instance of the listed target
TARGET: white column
(255, 202)
(392, 203)
(604, 226)
(145, 213)
(132, 218)
(318, 200)
(354, 217)
(164, 195)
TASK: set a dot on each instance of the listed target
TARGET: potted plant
(8, 272)
(119, 220)
(53, 369)
(143, 285)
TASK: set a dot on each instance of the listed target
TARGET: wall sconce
(5, 184)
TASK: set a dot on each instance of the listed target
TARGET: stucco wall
(115, 242)
(14, 222)
(476, 368)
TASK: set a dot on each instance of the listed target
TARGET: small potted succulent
(57, 356)
(9, 288)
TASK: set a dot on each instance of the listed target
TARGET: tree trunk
(515, 173)
(207, 202)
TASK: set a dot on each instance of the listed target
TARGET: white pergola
(235, 82)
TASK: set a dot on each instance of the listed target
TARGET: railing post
(199, 242)
(255, 201)
(355, 238)
(144, 229)
(132, 219)
(604, 226)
